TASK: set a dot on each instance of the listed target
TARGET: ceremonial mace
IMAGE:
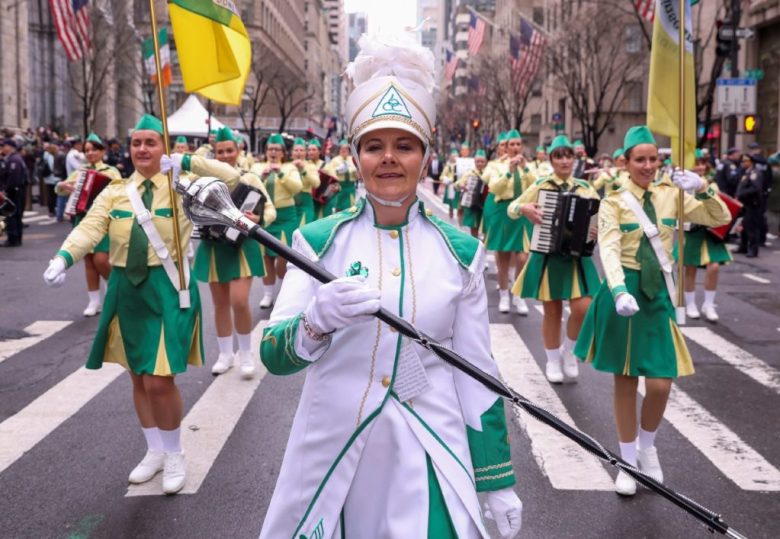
(207, 201)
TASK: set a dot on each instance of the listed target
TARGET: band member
(314, 156)
(229, 268)
(145, 326)
(471, 186)
(612, 178)
(343, 168)
(630, 329)
(207, 150)
(451, 196)
(181, 145)
(245, 159)
(96, 263)
(582, 162)
(310, 179)
(553, 278)
(509, 178)
(489, 210)
(703, 250)
(282, 181)
(371, 460)
(540, 166)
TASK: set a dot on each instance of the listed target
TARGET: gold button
(428, 212)
(353, 209)
(396, 272)
(386, 381)
(394, 234)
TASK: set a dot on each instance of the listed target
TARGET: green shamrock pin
(357, 268)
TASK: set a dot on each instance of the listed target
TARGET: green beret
(465, 145)
(225, 134)
(181, 139)
(668, 162)
(480, 153)
(95, 139)
(699, 153)
(315, 142)
(213, 132)
(639, 134)
(276, 138)
(578, 142)
(501, 137)
(561, 141)
(149, 123)
(454, 150)
(514, 133)
(299, 142)
(541, 148)
(343, 142)
(617, 153)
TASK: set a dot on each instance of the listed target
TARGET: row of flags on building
(71, 20)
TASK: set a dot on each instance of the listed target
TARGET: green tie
(136, 267)
(269, 186)
(650, 269)
(517, 188)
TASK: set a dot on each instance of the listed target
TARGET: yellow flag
(663, 107)
(213, 47)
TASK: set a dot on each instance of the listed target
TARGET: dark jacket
(15, 172)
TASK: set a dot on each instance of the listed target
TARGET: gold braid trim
(376, 340)
(499, 476)
(493, 467)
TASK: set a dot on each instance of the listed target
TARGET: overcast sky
(385, 16)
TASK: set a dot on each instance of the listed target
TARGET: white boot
(247, 363)
(521, 306)
(708, 309)
(649, 463)
(503, 302)
(691, 311)
(223, 364)
(152, 463)
(625, 484)
(570, 366)
(95, 304)
(174, 473)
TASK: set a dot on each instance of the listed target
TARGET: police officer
(728, 172)
(14, 184)
(750, 192)
(765, 170)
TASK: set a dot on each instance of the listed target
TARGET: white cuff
(307, 348)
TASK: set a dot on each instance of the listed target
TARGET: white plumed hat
(394, 82)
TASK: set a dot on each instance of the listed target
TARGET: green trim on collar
(582, 183)
(319, 234)
(65, 256)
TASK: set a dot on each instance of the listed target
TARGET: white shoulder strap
(144, 218)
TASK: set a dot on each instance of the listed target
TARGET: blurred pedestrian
(14, 185)
(728, 172)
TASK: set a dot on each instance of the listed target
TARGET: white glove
(171, 162)
(343, 168)
(505, 508)
(340, 303)
(687, 180)
(625, 304)
(55, 273)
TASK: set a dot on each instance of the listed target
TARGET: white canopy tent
(192, 119)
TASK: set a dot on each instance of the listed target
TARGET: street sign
(556, 117)
(736, 96)
(729, 33)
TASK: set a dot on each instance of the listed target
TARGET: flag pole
(681, 156)
(184, 300)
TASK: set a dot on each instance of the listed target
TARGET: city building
(357, 26)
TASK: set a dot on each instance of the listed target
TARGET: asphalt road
(68, 438)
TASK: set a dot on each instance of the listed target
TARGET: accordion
(328, 187)
(474, 194)
(88, 186)
(246, 198)
(566, 223)
(734, 207)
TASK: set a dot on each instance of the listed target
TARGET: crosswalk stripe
(728, 452)
(734, 355)
(209, 423)
(756, 278)
(36, 219)
(39, 331)
(567, 466)
(23, 430)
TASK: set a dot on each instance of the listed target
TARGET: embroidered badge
(357, 268)
(392, 104)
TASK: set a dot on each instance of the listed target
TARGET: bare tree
(289, 95)
(257, 94)
(506, 101)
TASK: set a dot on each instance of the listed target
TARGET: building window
(632, 99)
(538, 16)
(536, 123)
(633, 35)
(536, 88)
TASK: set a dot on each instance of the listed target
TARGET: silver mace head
(207, 201)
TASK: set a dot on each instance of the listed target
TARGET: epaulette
(582, 183)
(319, 234)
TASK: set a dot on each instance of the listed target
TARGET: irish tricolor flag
(165, 58)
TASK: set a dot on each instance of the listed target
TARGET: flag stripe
(71, 20)
(476, 34)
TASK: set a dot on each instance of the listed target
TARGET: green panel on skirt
(505, 233)
(439, 523)
(143, 312)
(105, 243)
(472, 218)
(701, 248)
(227, 261)
(557, 277)
(453, 202)
(304, 205)
(283, 227)
(344, 199)
(646, 344)
(489, 212)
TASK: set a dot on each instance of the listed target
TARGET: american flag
(646, 9)
(477, 86)
(525, 52)
(71, 18)
(450, 67)
(476, 34)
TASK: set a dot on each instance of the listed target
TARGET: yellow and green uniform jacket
(531, 195)
(310, 176)
(502, 180)
(346, 179)
(611, 179)
(287, 183)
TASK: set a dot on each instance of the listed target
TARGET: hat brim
(376, 125)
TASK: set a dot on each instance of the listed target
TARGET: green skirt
(503, 232)
(489, 212)
(105, 243)
(557, 277)
(304, 205)
(217, 262)
(283, 227)
(472, 218)
(454, 201)
(701, 248)
(646, 344)
(342, 200)
(143, 329)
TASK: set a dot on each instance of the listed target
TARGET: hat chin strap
(382, 201)
(390, 203)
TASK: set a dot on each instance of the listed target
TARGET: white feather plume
(393, 55)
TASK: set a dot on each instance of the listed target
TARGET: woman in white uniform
(388, 440)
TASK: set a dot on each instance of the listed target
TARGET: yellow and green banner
(664, 103)
(213, 48)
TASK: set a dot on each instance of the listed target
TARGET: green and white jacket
(357, 459)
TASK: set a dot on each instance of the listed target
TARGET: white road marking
(430, 197)
(728, 452)
(771, 236)
(747, 363)
(567, 466)
(39, 331)
(23, 430)
(208, 425)
(36, 219)
(756, 278)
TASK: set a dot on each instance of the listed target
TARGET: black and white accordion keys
(473, 194)
(566, 223)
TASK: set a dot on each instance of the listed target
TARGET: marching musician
(145, 325)
(229, 268)
(282, 181)
(489, 210)
(451, 195)
(314, 156)
(540, 166)
(509, 178)
(703, 250)
(630, 329)
(96, 264)
(310, 178)
(343, 168)
(582, 162)
(553, 277)
(181, 145)
(207, 150)
(369, 455)
(611, 178)
(473, 182)
(245, 159)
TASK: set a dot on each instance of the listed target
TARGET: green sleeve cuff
(709, 193)
(277, 349)
(66, 256)
(186, 162)
(619, 289)
(489, 449)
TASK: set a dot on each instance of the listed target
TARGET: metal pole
(736, 15)
(167, 144)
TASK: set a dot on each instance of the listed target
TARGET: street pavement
(69, 437)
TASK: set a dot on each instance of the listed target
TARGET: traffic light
(750, 123)
(723, 48)
(475, 123)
